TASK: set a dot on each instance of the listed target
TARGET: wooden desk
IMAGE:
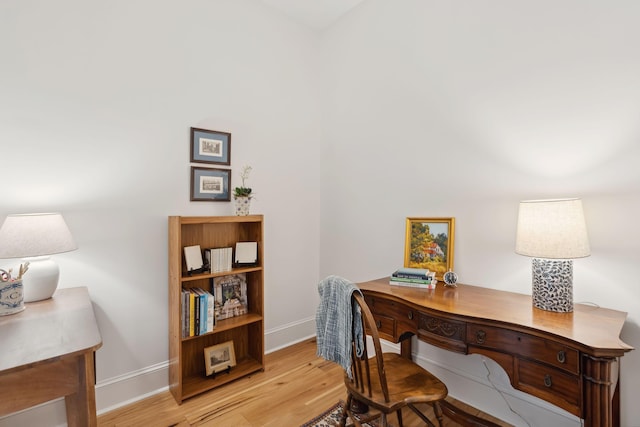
(48, 352)
(568, 359)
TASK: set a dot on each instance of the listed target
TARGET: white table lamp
(34, 237)
(553, 232)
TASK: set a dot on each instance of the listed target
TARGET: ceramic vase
(242, 205)
(11, 297)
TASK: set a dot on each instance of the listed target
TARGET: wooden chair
(388, 382)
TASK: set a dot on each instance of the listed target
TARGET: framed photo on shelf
(429, 244)
(210, 184)
(219, 357)
(210, 146)
(193, 258)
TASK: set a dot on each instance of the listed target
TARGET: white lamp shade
(553, 229)
(30, 235)
(34, 237)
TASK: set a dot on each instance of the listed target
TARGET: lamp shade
(31, 235)
(553, 229)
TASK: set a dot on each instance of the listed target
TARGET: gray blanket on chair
(338, 322)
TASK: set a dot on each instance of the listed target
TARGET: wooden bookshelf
(187, 377)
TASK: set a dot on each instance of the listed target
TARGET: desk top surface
(594, 327)
(62, 325)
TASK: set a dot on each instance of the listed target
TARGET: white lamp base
(41, 281)
(553, 284)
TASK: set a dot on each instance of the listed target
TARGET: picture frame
(219, 357)
(193, 258)
(210, 184)
(429, 244)
(210, 146)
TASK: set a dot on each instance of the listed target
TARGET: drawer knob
(481, 336)
(562, 356)
(410, 315)
(547, 381)
(378, 324)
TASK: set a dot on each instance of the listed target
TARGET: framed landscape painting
(429, 244)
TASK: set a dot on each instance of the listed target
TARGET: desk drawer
(386, 326)
(552, 385)
(445, 333)
(529, 346)
(404, 319)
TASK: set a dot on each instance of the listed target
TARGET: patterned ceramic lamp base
(553, 284)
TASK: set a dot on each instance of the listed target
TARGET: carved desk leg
(600, 382)
(405, 348)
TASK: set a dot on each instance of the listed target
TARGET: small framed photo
(429, 244)
(210, 184)
(219, 357)
(210, 146)
(193, 258)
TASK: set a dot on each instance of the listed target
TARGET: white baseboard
(128, 388)
(281, 337)
(483, 384)
(110, 394)
(125, 389)
(50, 414)
(465, 376)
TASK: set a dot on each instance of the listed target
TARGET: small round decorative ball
(450, 278)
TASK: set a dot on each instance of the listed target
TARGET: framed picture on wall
(429, 244)
(210, 146)
(210, 184)
(219, 357)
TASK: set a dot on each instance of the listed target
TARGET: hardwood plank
(295, 386)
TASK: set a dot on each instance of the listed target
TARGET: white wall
(96, 102)
(423, 109)
(464, 108)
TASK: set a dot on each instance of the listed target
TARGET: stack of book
(414, 277)
(219, 259)
(197, 312)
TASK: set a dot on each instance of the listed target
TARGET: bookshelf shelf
(194, 385)
(232, 323)
(187, 376)
(187, 278)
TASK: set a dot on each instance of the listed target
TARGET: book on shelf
(202, 296)
(197, 312)
(191, 314)
(219, 259)
(209, 315)
(230, 296)
(185, 312)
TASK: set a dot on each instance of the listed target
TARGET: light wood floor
(295, 387)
